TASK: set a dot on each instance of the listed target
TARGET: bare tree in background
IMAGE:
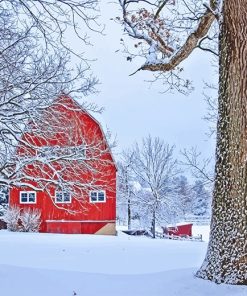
(125, 188)
(168, 32)
(200, 168)
(154, 166)
(182, 188)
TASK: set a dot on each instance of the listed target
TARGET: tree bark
(129, 214)
(226, 258)
(153, 226)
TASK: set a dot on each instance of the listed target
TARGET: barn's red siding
(79, 216)
(74, 227)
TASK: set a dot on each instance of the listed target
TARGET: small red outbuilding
(179, 230)
(90, 208)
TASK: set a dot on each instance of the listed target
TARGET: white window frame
(62, 202)
(97, 201)
(28, 202)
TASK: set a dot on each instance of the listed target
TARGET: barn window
(28, 197)
(97, 196)
(62, 197)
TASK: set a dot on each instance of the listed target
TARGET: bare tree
(35, 70)
(170, 31)
(154, 166)
(50, 20)
(183, 190)
(201, 199)
(126, 190)
(201, 168)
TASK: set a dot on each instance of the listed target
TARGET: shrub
(12, 218)
(30, 220)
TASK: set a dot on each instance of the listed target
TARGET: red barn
(75, 194)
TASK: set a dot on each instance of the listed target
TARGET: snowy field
(87, 265)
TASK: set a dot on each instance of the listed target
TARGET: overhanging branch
(189, 45)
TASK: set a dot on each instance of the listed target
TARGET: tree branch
(189, 45)
(160, 8)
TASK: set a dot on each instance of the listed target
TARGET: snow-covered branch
(202, 169)
(167, 32)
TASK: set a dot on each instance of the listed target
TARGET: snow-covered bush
(3, 208)
(3, 200)
(30, 220)
(12, 218)
(27, 220)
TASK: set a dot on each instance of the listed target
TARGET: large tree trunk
(226, 259)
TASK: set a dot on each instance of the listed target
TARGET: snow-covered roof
(179, 224)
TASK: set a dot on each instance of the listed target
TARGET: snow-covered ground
(33, 264)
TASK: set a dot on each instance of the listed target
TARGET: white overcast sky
(133, 108)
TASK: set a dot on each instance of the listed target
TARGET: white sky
(133, 108)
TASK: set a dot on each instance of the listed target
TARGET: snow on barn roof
(179, 224)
